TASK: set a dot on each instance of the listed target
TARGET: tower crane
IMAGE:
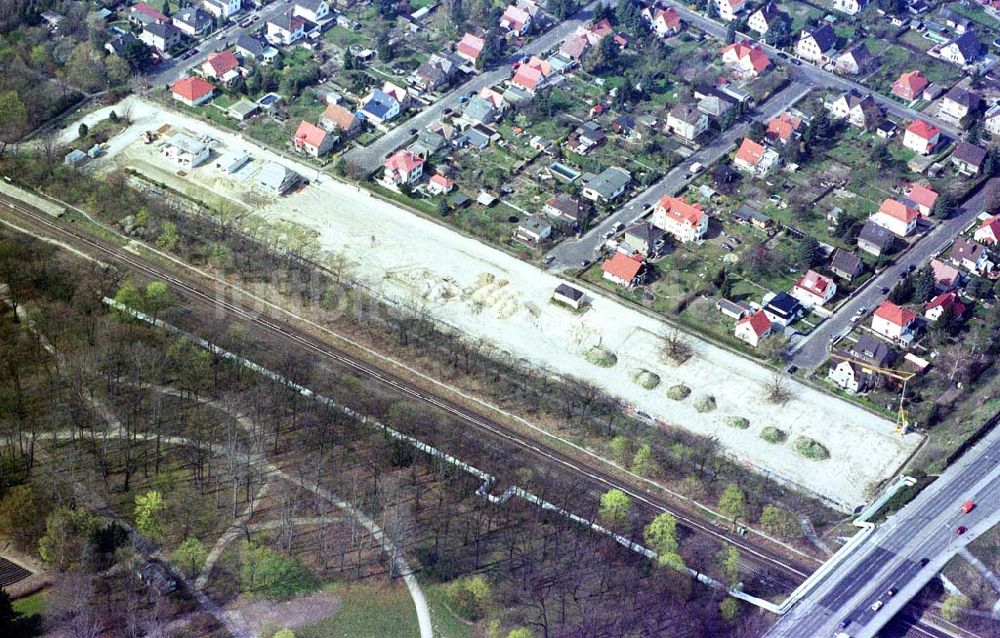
(899, 375)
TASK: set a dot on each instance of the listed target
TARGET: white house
(814, 289)
(222, 8)
(921, 137)
(314, 11)
(850, 7)
(404, 167)
(687, 122)
(285, 29)
(753, 328)
(893, 322)
(729, 9)
(185, 151)
(666, 22)
(756, 159)
(686, 222)
(818, 46)
(764, 18)
(896, 217)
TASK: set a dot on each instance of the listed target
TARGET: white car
(877, 605)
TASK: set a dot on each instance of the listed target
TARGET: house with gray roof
(277, 179)
(608, 185)
(479, 110)
(875, 240)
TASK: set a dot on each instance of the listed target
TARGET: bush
(645, 379)
(811, 449)
(679, 392)
(470, 597)
(271, 575)
(772, 434)
(737, 422)
(600, 357)
(705, 404)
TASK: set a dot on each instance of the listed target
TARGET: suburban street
(370, 157)
(811, 351)
(904, 553)
(571, 252)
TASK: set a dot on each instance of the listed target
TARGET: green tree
(902, 292)
(953, 606)
(729, 608)
(661, 537)
(732, 503)
(729, 563)
(779, 522)
(643, 462)
(923, 285)
(169, 237)
(22, 516)
(83, 130)
(521, 632)
(615, 507)
(267, 573)
(621, 448)
(67, 532)
(284, 633)
(757, 130)
(165, 8)
(944, 206)
(470, 596)
(157, 298)
(148, 508)
(190, 555)
(13, 119)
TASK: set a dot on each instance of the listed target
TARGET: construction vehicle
(902, 423)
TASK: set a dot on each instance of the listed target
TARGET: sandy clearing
(489, 295)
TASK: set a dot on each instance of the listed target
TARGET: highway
(206, 294)
(810, 351)
(904, 553)
(570, 253)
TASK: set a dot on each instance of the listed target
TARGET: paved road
(370, 157)
(815, 75)
(571, 252)
(811, 351)
(892, 556)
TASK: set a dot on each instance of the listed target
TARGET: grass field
(32, 605)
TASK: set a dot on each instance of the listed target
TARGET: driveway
(571, 252)
(811, 351)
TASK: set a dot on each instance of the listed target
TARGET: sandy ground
(491, 296)
(261, 617)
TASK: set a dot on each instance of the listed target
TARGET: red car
(968, 507)
(961, 530)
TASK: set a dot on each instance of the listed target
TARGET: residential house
(735, 310)
(958, 103)
(872, 351)
(666, 22)
(403, 167)
(185, 151)
(516, 21)
(753, 328)
(479, 110)
(765, 17)
(572, 297)
(991, 120)
(192, 21)
(277, 179)
(586, 137)
(893, 322)
(436, 71)
(643, 238)
(243, 109)
(783, 127)
(440, 185)
(921, 197)
(141, 14)
(379, 107)
(427, 143)
(729, 9)
(221, 66)
(231, 161)
(896, 217)
(470, 47)
(814, 289)
(748, 215)
(946, 301)
(970, 255)
(340, 120)
(946, 276)
(161, 36)
(746, 60)
(285, 29)
(850, 7)
(398, 93)
(685, 222)
(574, 47)
(568, 208)
(534, 229)
(624, 125)
(756, 159)
(250, 47)
(962, 50)
(968, 158)
(988, 231)
(954, 21)
(851, 377)
(686, 122)
(909, 85)
(783, 309)
(818, 46)
(625, 270)
(921, 137)
(876, 240)
(312, 140)
(529, 76)
(192, 91)
(314, 11)
(608, 185)
(846, 265)
(118, 43)
(859, 110)
(855, 61)
(222, 9)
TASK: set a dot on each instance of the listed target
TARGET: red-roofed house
(755, 158)
(221, 66)
(783, 127)
(624, 270)
(989, 231)
(527, 78)
(142, 14)
(666, 22)
(923, 198)
(686, 222)
(515, 20)
(747, 60)
(192, 91)
(574, 47)
(403, 167)
(946, 276)
(337, 118)
(729, 9)
(921, 136)
(469, 47)
(936, 306)
(893, 322)
(752, 328)
(312, 140)
(909, 85)
(440, 185)
(896, 217)
(814, 289)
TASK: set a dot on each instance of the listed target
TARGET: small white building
(185, 151)
(232, 161)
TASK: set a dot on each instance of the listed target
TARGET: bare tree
(777, 390)
(675, 347)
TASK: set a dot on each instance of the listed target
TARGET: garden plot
(491, 296)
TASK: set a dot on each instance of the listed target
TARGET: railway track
(758, 560)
